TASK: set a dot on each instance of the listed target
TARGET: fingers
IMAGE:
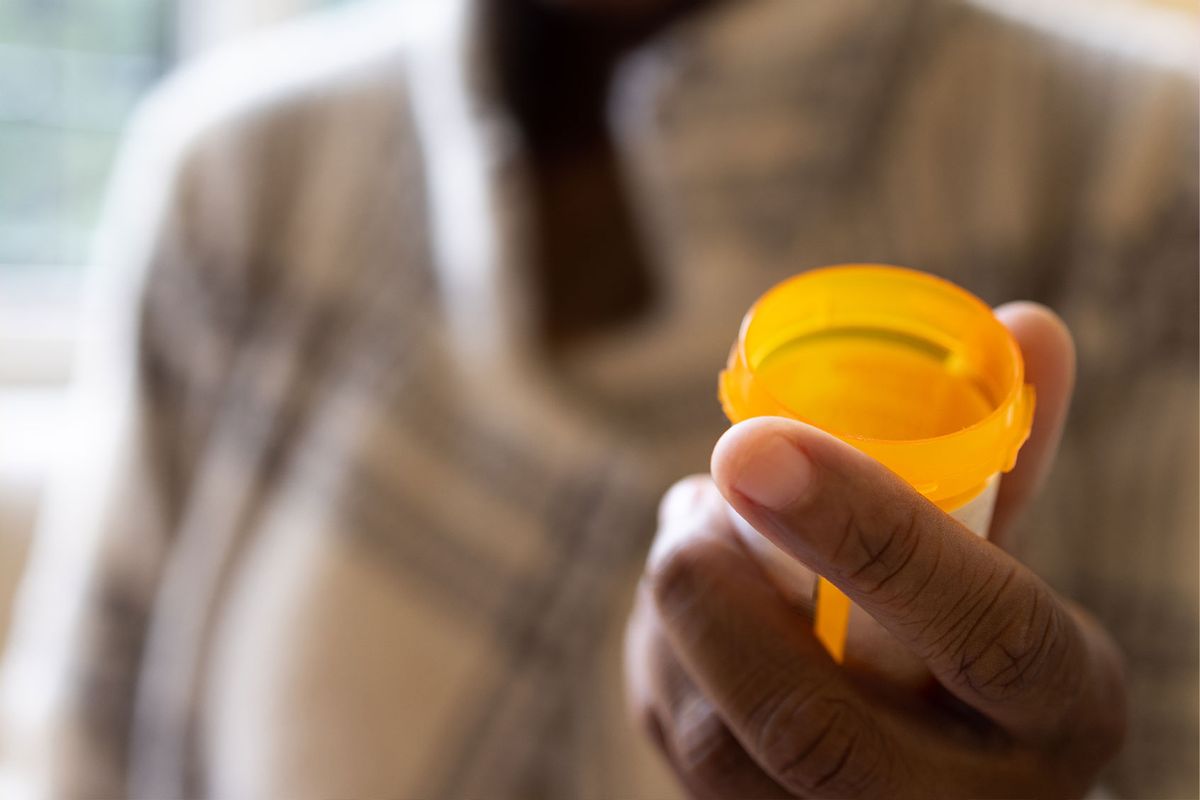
(1049, 355)
(697, 745)
(769, 680)
(991, 632)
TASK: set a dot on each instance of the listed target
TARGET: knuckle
(1022, 652)
(817, 745)
(684, 497)
(879, 548)
(906, 598)
(682, 575)
(704, 746)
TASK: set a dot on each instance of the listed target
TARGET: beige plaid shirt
(336, 527)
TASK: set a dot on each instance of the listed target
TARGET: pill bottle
(905, 366)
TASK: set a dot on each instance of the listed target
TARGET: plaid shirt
(336, 526)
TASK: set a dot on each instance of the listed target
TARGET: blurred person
(405, 317)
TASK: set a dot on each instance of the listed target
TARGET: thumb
(989, 630)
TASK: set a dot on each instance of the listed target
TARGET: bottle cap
(905, 366)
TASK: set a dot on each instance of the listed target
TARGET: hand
(1026, 697)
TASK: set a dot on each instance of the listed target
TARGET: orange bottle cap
(905, 366)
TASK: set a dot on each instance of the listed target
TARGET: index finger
(753, 657)
(1049, 355)
(990, 630)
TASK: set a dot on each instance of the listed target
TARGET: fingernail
(775, 475)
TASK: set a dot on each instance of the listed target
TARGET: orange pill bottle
(907, 367)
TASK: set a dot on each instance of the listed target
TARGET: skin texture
(966, 675)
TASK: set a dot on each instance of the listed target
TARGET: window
(70, 73)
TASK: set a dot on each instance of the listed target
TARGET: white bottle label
(977, 513)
